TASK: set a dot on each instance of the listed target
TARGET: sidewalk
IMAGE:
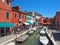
(6, 39)
(55, 36)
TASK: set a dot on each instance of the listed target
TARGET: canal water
(34, 39)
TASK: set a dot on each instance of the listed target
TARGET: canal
(34, 39)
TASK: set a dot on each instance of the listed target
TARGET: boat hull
(44, 40)
(22, 39)
(30, 32)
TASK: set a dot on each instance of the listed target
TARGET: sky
(47, 8)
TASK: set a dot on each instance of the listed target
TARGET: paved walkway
(6, 39)
(55, 35)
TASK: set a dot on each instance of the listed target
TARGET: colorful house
(5, 10)
(15, 14)
(41, 20)
(57, 20)
(32, 17)
(29, 18)
(37, 16)
(37, 20)
(5, 17)
(47, 21)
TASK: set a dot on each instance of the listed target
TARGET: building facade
(15, 14)
(28, 18)
(5, 10)
(41, 20)
(57, 20)
(46, 21)
(5, 17)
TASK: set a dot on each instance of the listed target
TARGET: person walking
(11, 30)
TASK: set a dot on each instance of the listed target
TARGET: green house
(37, 20)
(28, 19)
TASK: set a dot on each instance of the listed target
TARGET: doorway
(2, 31)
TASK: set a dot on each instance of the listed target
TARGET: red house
(57, 20)
(47, 21)
(5, 17)
(15, 14)
(41, 20)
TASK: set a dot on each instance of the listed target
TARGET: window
(15, 15)
(7, 2)
(7, 15)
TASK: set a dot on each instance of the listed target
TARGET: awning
(30, 23)
(6, 24)
(26, 23)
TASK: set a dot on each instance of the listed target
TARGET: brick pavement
(55, 35)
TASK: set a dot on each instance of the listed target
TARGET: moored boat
(44, 40)
(34, 29)
(22, 38)
(30, 32)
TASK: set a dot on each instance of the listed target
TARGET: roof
(16, 8)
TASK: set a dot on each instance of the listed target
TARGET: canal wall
(10, 38)
(50, 38)
(16, 36)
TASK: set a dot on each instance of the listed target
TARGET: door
(7, 31)
(2, 31)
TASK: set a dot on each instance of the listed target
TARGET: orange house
(14, 18)
(5, 10)
(5, 17)
(15, 14)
